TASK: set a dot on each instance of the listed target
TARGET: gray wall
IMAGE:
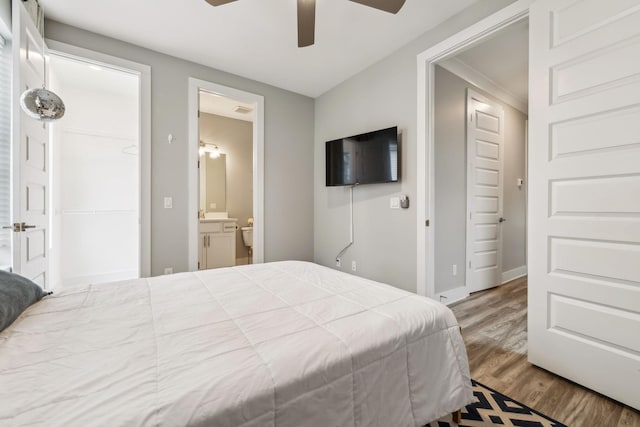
(451, 184)
(234, 138)
(289, 124)
(383, 95)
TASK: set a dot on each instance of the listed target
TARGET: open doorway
(226, 156)
(480, 116)
(95, 173)
(428, 62)
(225, 181)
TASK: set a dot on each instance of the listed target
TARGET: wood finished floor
(494, 327)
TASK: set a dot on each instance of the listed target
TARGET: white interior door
(485, 147)
(584, 210)
(30, 156)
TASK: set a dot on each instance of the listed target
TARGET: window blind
(5, 151)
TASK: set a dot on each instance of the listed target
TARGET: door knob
(18, 227)
(502, 219)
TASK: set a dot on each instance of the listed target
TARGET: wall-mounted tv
(368, 158)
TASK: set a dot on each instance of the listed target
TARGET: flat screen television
(368, 158)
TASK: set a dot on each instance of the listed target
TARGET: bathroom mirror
(213, 183)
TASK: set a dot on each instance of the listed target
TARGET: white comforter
(281, 344)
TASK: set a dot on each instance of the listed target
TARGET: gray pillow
(16, 294)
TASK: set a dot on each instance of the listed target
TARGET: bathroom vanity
(217, 243)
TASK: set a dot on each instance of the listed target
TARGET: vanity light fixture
(212, 149)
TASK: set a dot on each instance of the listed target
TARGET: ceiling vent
(242, 110)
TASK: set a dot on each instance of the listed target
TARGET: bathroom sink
(216, 215)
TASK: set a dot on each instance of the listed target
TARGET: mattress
(277, 344)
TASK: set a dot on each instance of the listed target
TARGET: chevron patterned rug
(495, 409)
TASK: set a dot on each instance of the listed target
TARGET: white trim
(195, 85)
(144, 72)
(476, 78)
(514, 274)
(425, 188)
(453, 295)
(104, 277)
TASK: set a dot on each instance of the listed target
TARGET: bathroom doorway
(227, 139)
(225, 181)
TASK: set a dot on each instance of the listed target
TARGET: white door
(584, 210)
(30, 156)
(485, 146)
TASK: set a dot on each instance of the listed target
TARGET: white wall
(288, 152)
(383, 95)
(451, 182)
(96, 184)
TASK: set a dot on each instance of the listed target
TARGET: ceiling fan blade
(218, 2)
(391, 6)
(306, 22)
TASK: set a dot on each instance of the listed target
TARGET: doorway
(479, 191)
(225, 164)
(95, 173)
(217, 217)
(439, 277)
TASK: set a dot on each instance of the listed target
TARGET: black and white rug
(492, 408)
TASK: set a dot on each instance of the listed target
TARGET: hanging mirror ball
(42, 104)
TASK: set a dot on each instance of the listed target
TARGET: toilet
(247, 238)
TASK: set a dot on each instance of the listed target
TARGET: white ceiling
(257, 39)
(504, 59)
(222, 106)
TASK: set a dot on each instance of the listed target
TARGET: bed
(278, 344)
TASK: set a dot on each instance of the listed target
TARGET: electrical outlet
(338, 262)
(354, 266)
(394, 202)
(454, 270)
(168, 202)
(168, 270)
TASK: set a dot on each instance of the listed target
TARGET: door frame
(144, 73)
(426, 137)
(195, 86)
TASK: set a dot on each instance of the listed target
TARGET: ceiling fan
(307, 15)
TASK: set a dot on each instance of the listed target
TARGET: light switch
(394, 203)
(168, 202)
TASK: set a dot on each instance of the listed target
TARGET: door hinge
(471, 117)
(198, 164)
(198, 113)
(426, 223)
(469, 265)
(198, 265)
(470, 213)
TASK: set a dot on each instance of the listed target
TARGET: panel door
(485, 146)
(31, 148)
(584, 199)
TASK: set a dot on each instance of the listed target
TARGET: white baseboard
(516, 273)
(98, 278)
(453, 295)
